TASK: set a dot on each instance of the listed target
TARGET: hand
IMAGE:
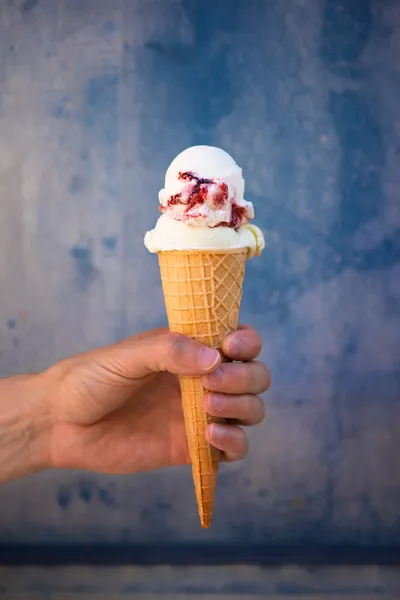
(118, 409)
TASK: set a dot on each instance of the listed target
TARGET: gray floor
(205, 583)
(77, 596)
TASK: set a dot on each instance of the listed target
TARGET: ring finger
(245, 409)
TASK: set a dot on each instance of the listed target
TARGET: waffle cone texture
(202, 292)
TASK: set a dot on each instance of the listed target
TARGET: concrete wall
(96, 97)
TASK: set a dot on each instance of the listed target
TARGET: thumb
(103, 379)
(170, 352)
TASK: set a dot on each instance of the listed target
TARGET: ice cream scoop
(203, 205)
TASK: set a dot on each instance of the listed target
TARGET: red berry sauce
(195, 194)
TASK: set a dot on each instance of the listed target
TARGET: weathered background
(96, 98)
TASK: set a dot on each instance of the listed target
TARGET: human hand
(118, 409)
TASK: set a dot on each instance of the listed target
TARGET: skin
(118, 409)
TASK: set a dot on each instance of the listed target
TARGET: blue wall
(96, 98)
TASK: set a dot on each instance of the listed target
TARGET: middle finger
(238, 378)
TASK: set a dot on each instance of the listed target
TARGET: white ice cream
(169, 234)
(203, 205)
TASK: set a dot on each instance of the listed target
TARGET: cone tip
(205, 521)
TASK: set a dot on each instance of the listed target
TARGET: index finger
(243, 344)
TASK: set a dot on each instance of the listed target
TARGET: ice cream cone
(202, 291)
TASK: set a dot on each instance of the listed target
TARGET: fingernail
(236, 346)
(216, 402)
(217, 432)
(208, 358)
(214, 379)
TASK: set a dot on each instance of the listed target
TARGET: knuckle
(174, 343)
(252, 410)
(265, 377)
(260, 410)
(245, 375)
(253, 336)
(240, 444)
(248, 405)
(172, 338)
(244, 445)
(257, 342)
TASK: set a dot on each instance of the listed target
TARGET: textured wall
(96, 97)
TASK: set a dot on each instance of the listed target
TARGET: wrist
(25, 427)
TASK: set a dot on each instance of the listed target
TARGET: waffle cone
(202, 291)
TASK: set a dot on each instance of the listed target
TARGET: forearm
(24, 427)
